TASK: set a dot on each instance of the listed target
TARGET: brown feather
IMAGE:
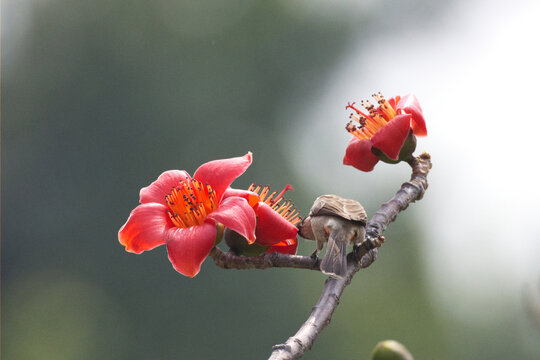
(334, 205)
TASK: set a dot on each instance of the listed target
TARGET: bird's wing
(334, 262)
(334, 205)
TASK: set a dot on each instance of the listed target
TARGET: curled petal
(221, 173)
(251, 197)
(188, 247)
(145, 227)
(390, 138)
(156, 191)
(394, 101)
(272, 228)
(409, 105)
(236, 214)
(359, 155)
(285, 247)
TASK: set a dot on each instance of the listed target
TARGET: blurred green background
(99, 97)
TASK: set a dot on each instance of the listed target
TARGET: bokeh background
(99, 97)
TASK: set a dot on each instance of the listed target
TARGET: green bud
(219, 233)
(390, 350)
(240, 246)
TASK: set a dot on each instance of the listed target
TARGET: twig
(409, 193)
(297, 345)
(231, 261)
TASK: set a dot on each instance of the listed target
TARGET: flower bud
(220, 228)
(240, 246)
(390, 350)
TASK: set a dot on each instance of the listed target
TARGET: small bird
(339, 222)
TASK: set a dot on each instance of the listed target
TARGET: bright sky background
(476, 73)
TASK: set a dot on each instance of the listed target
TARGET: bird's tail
(334, 262)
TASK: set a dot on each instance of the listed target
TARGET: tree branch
(320, 317)
(409, 193)
(230, 260)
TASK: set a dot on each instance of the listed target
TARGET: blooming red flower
(384, 128)
(276, 218)
(182, 212)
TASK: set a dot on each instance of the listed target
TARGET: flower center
(283, 207)
(190, 202)
(375, 119)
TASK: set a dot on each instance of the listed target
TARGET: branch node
(281, 347)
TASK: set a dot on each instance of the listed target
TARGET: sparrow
(339, 222)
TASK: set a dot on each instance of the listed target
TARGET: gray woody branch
(229, 260)
(362, 256)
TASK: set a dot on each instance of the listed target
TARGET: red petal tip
(236, 214)
(358, 154)
(187, 248)
(144, 229)
(272, 227)
(221, 173)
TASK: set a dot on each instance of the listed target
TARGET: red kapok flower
(276, 218)
(182, 212)
(383, 129)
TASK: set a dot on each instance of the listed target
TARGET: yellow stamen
(269, 199)
(264, 192)
(385, 108)
(369, 124)
(190, 202)
(283, 207)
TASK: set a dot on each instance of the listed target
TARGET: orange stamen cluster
(283, 207)
(190, 202)
(376, 118)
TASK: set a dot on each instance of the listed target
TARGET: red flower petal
(156, 191)
(390, 138)
(251, 197)
(145, 227)
(409, 105)
(272, 227)
(188, 247)
(221, 173)
(285, 247)
(236, 214)
(393, 101)
(359, 155)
